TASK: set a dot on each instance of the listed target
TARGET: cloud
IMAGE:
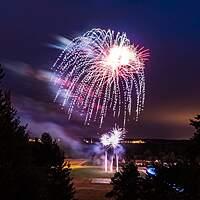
(33, 97)
(26, 70)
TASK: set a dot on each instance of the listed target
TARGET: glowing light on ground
(105, 141)
(112, 140)
(101, 72)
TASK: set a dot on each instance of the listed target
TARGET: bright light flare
(113, 138)
(116, 137)
(105, 140)
(119, 57)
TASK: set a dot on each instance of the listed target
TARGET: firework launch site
(89, 176)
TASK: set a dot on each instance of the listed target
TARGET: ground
(91, 182)
(84, 178)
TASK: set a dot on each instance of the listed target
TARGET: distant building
(138, 141)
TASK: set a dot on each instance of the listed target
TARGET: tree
(1, 73)
(50, 159)
(47, 153)
(163, 185)
(46, 139)
(31, 171)
(125, 183)
(18, 177)
(196, 124)
(194, 146)
(60, 183)
(176, 182)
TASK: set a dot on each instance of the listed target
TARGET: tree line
(180, 180)
(29, 170)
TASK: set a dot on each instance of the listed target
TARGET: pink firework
(98, 73)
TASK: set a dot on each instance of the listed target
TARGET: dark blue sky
(170, 29)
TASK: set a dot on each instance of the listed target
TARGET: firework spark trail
(112, 140)
(98, 73)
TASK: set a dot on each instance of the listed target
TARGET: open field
(86, 190)
(84, 175)
(86, 178)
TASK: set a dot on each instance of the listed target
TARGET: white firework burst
(113, 138)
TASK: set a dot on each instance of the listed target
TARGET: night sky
(170, 29)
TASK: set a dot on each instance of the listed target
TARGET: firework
(112, 140)
(105, 140)
(97, 73)
(116, 136)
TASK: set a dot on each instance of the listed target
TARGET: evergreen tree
(49, 157)
(162, 186)
(180, 181)
(47, 153)
(1, 73)
(125, 183)
(194, 147)
(17, 178)
(31, 171)
(196, 124)
(60, 183)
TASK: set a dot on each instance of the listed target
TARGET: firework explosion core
(112, 138)
(97, 73)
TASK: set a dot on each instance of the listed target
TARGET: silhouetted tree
(46, 139)
(18, 179)
(125, 183)
(60, 183)
(164, 185)
(49, 157)
(1, 73)
(193, 150)
(196, 124)
(31, 171)
(180, 180)
(47, 153)
(184, 179)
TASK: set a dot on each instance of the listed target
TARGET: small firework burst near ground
(97, 73)
(112, 140)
